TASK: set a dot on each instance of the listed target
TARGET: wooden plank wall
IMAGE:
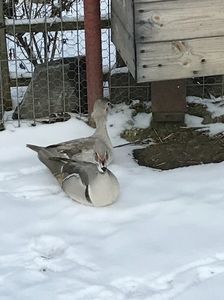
(183, 19)
(179, 38)
(180, 59)
(122, 28)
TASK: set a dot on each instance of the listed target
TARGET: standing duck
(82, 149)
(85, 182)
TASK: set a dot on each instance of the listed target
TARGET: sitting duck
(85, 182)
(82, 149)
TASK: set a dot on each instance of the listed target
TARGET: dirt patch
(200, 110)
(184, 147)
(175, 146)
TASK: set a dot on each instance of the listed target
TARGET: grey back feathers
(83, 148)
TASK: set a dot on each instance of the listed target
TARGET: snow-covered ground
(162, 240)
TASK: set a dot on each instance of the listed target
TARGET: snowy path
(162, 240)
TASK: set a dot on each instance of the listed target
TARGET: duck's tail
(34, 147)
(45, 156)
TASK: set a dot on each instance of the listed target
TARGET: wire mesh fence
(46, 58)
(43, 64)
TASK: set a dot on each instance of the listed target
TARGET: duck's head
(101, 155)
(100, 109)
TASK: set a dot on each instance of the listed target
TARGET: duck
(87, 183)
(82, 149)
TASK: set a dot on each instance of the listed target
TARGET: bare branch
(31, 47)
(54, 47)
(27, 49)
(36, 47)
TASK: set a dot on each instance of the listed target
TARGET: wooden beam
(124, 11)
(124, 42)
(4, 68)
(54, 26)
(168, 100)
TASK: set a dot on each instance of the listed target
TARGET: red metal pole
(92, 23)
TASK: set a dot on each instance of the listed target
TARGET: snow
(214, 105)
(142, 120)
(194, 121)
(119, 70)
(47, 20)
(27, 75)
(64, 19)
(162, 240)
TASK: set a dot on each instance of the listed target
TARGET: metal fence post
(4, 63)
(92, 21)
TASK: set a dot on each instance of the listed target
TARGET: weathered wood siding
(172, 38)
(180, 59)
(174, 20)
(122, 27)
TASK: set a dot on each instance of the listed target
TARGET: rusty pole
(92, 23)
(4, 68)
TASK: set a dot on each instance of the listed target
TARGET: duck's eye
(96, 157)
(108, 106)
(106, 155)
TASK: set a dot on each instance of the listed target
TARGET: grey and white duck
(85, 182)
(82, 149)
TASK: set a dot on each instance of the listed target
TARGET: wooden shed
(169, 39)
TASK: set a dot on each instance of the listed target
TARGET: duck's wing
(55, 167)
(74, 147)
(87, 171)
(61, 167)
(44, 155)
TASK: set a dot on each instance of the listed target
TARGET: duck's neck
(101, 130)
